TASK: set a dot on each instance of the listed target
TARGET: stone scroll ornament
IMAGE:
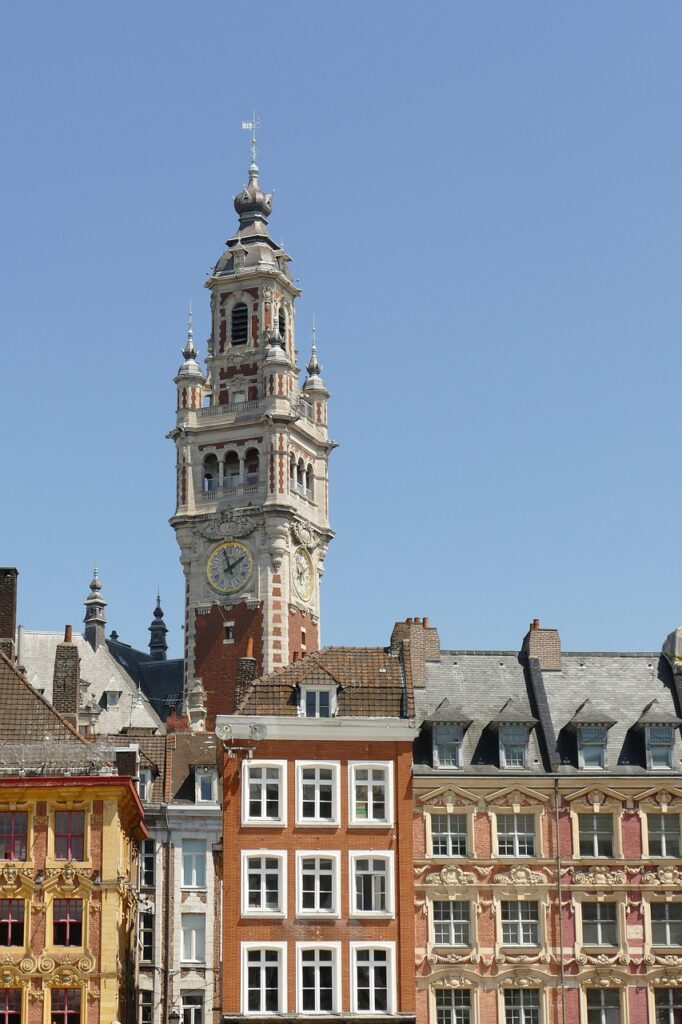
(230, 525)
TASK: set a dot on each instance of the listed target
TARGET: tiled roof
(370, 680)
(33, 734)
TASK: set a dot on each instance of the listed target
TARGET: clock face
(303, 574)
(229, 566)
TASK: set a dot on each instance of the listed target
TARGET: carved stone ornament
(452, 981)
(603, 959)
(667, 960)
(452, 958)
(36, 995)
(666, 876)
(522, 958)
(229, 525)
(446, 798)
(40, 820)
(595, 798)
(518, 981)
(665, 981)
(304, 535)
(450, 876)
(599, 876)
(521, 874)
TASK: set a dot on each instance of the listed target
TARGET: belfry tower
(252, 453)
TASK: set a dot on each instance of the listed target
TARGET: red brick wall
(299, 621)
(216, 661)
(292, 838)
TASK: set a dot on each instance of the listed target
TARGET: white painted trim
(386, 855)
(288, 727)
(281, 948)
(335, 948)
(391, 964)
(387, 822)
(246, 911)
(335, 819)
(247, 767)
(335, 912)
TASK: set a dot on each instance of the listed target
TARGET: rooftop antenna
(252, 126)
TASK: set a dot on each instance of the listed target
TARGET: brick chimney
(8, 610)
(66, 680)
(420, 643)
(545, 645)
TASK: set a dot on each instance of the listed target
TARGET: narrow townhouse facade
(548, 814)
(317, 849)
(180, 880)
(70, 827)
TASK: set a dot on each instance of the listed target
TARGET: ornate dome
(252, 203)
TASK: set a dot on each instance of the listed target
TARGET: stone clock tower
(252, 453)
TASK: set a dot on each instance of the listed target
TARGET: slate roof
(480, 684)
(615, 689)
(36, 652)
(33, 736)
(370, 683)
(160, 681)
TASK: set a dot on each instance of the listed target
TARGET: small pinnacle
(189, 351)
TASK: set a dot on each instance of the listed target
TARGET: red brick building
(317, 851)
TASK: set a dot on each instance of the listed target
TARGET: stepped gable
(371, 684)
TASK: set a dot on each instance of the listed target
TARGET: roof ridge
(16, 671)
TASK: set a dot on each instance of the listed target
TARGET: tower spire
(158, 629)
(189, 351)
(95, 619)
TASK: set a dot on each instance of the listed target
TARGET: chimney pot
(427, 623)
(408, 620)
(535, 624)
(296, 655)
(249, 647)
(67, 634)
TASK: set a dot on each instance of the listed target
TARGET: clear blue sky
(483, 204)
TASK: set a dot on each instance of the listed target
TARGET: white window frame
(541, 993)
(147, 854)
(595, 988)
(335, 949)
(665, 816)
(145, 782)
(335, 857)
(281, 950)
(537, 833)
(470, 921)
(618, 924)
(281, 857)
(470, 992)
(335, 768)
(518, 922)
(615, 836)
(387, 768)
(316, 690)
(456, 742)
(193, 857)
(456, 812)
(593, 744)
(262, 822)
(504, 743)
(192, 1007)
(649, 921)
(650, 744)
(669, 990)
(387, 856)
(193, 959)
(201, 773)
(389, 948)
(112, 698)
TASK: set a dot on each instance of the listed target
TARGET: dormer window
(111, 698)
(513, 745)
(447, 745)
(660, 740)
(592, 746)
(144, 785)
(206, 786)
(318, 701)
